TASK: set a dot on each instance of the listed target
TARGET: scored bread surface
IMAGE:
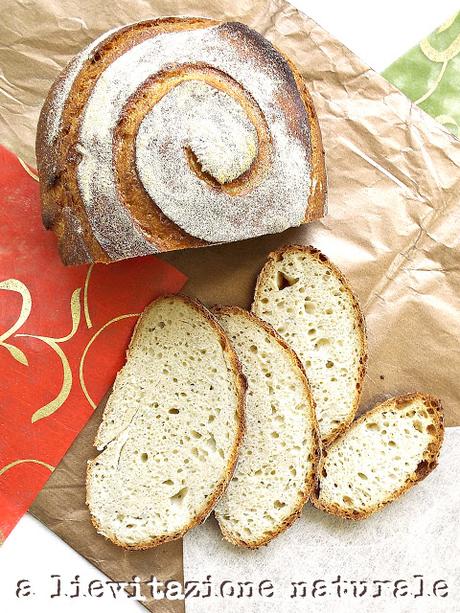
(384, 453)
(171, 429)
(310, 304)
(117, 181)
(278, 457)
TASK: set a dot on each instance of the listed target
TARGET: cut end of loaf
(170, 430)
(384, 453)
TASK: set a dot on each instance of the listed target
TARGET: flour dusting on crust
(276, 203)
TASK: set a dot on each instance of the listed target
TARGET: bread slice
(278, 458)
(171, 429)
(383, 454)
(310, 304)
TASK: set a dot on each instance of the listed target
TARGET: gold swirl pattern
(4, 469)
(28, 170)
(446, 25)
(83, 357)
(26, 308)
(89, 323)
(55, 343)
(52, 406)
(439, 57)
(435, 85)
(15, 285)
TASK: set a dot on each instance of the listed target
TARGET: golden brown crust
(274, 257)
(240, 385)
(317, 200)
(62, 205)
(310, 477)
(428, 463)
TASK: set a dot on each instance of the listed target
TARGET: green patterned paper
(429, 74)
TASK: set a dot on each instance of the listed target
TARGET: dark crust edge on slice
(240, 385)
(315, 253)
(426, 465)
(310, 478)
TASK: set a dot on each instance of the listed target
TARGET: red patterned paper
(63, 336)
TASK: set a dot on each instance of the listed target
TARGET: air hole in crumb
(275, 435)
(391, 444)
(362, 476)
(211, 443)
(309, 307)
(161, 324)
(418, 425)
(372, 426)
(168, 482)
(179, 496)
(253, 348)
(283, 280)
(322, 342)
(347, 500)
(329, 364)
(173, 411)
(278, 504)
(144, 457)
(195, 434)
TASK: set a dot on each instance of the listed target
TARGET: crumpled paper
(416, 535)
(393, 223)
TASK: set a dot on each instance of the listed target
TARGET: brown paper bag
(393, 223)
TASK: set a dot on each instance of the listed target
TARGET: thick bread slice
(171, 428)
(382, 455)
(280, 451)
(310, 304)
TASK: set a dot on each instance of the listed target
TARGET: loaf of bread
(310, 304)
(171, 428)
(174, 133)
(384, 453)
(280, 450)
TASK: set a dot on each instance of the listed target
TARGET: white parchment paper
(419, 534)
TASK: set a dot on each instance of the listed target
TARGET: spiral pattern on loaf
(176, 133)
